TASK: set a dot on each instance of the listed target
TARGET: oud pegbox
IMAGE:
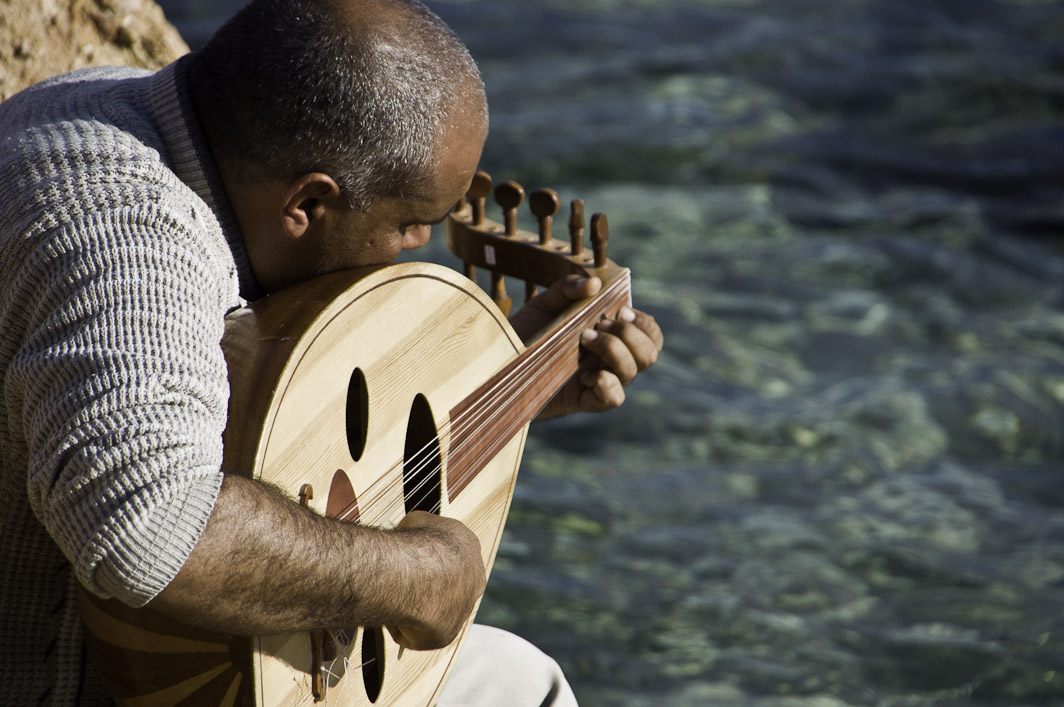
(505, 250)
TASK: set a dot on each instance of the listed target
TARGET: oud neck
(486, 420)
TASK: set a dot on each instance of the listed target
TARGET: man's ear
(306, 199)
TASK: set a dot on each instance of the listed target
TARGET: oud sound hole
(342, 503)
(357, 414)
(373, 662)
(421, 460)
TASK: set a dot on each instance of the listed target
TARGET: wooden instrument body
(410, 331)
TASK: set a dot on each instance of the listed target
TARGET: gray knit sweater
(119, 259)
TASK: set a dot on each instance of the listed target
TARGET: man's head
(332, 106)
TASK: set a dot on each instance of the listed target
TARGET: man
(137, 210)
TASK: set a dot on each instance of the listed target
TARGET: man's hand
(451, 552)
(621, 348)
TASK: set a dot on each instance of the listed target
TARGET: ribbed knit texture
(115, 277)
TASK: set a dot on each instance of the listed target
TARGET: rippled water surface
(842, 484)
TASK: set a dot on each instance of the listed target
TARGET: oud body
(345, 391)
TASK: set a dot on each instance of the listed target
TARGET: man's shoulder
(78, 148)
(85, 75)
(73, 105)
(88, 80)
(80, 124)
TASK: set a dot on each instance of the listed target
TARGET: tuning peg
(600, 234)
(576, 226)
(509, 195)
(498, 293)
(478, 192)
(544, 204)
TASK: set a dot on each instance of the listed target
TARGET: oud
(368, 394)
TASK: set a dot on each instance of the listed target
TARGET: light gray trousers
(498, 669)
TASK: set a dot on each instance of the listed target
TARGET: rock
(42, 38)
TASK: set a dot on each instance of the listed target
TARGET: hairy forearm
(265, 564)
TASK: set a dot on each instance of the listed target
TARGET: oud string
(505, 390)
(508, 389)
(430, 464)
(554, 346)
(503, 393)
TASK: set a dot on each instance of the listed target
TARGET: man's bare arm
(265, 564)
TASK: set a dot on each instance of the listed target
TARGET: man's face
(348, 238)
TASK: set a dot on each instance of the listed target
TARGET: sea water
(843, 482)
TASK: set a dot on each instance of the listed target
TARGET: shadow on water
(841, 485)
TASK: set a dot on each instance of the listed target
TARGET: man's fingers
(603, 391)
(618, 350)
(562, 293)
(544, 307)
(624, 347)
(613, 354)
(425, 641)
(645, 323)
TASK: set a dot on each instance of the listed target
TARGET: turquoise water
(842, 484)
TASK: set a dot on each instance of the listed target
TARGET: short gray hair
(288, 87)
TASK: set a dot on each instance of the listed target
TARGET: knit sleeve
(124, 394)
